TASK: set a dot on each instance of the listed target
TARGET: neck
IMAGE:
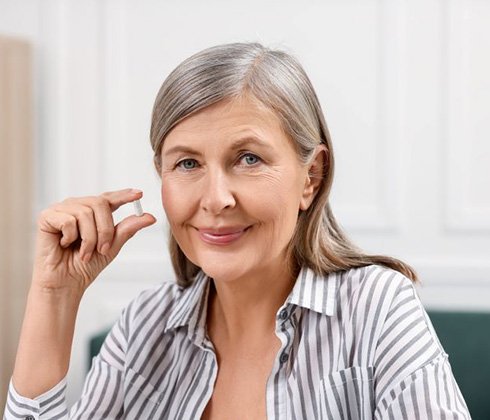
(244, 310)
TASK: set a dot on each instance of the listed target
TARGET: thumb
(127, 228)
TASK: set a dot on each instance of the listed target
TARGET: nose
(217, 194)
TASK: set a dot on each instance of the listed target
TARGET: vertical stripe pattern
(355, 344)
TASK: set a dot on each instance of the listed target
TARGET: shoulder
(387, 304)
(374, 296)
(373, 284)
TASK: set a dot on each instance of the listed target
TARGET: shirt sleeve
(52, 401)
(102, 395)
(429, 392)
(413, 376)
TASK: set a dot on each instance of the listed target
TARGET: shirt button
(283, 314)
(284, 357)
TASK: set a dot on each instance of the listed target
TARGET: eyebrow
(235, 145)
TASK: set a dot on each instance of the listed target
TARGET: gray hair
(276, 80)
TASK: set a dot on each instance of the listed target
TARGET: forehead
(228, 121)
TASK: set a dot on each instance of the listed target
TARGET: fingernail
(104, 249)
(86, 257)
(135, 191)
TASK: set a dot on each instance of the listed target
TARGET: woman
(275, 314)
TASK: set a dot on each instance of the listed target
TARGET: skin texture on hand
(76, 239)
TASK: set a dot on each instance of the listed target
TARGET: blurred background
(406, 94)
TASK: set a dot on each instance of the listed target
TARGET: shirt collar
(315, 292)
(310, 291)
(191, 303)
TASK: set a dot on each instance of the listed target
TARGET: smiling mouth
(222, 239)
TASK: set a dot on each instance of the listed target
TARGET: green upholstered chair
(95, 343)
(465, 337)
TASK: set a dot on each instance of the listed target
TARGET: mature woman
(275, 314)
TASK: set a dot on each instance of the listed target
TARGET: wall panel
(467, 112)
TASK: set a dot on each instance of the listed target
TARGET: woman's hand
(76, 239)
(69, 255)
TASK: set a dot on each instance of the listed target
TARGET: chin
(223, 270)
(217, 272)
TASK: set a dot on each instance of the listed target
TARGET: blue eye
(250, 159)
(184, 164)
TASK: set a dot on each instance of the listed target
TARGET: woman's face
(230, 170)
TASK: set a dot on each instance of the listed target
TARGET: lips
(222, 236)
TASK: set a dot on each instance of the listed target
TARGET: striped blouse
(356, 344)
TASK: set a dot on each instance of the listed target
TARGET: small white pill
(137, 208)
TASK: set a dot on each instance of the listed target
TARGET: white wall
(403, 84)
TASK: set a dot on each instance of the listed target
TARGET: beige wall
(15, 196)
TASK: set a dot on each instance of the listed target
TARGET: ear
(316, 172)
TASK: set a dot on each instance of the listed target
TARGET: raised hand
(76, 239)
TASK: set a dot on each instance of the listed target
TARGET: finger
(104, 222)
(127, 228)
(103, 206)
(88, 231)
(53, 222)
(118, 198)
(87, 228)
(115, 198)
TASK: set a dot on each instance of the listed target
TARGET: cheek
(176, 201)
(277, 202)
(166, 193)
